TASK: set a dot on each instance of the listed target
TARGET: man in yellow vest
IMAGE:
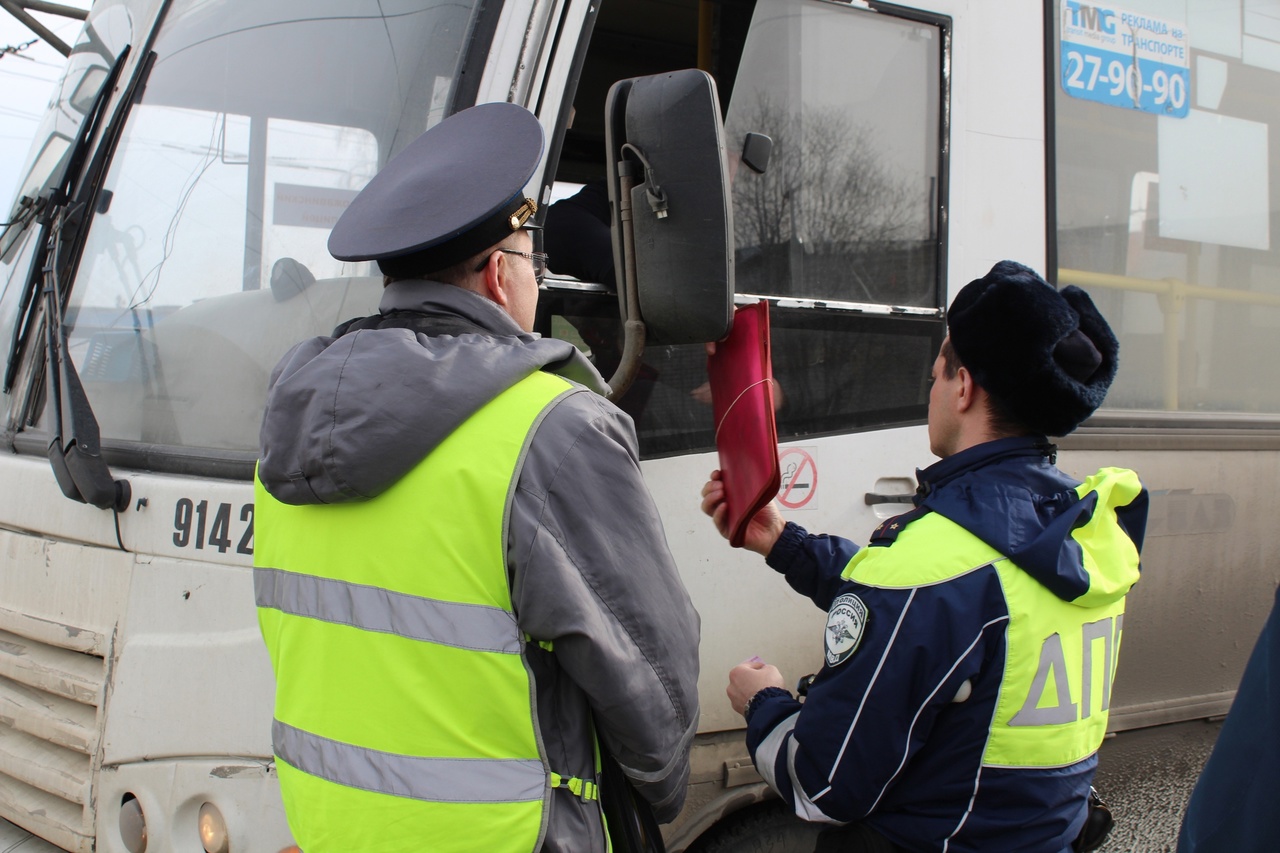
(970, 645)
(462, 581)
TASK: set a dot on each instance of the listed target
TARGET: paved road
(1146, 777)
(15, 840)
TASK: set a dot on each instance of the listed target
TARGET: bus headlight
(213, 830)
(133, 824)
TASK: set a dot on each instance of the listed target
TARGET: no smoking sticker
(799, 479)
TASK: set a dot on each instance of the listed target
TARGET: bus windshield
(206, 258)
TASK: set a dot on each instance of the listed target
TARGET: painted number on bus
(200, 525)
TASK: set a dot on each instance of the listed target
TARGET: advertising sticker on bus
(1125, 59)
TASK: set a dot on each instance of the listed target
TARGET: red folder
(741, 376)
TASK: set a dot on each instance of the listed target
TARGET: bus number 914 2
(197, 525)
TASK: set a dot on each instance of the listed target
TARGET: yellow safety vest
(404, 713)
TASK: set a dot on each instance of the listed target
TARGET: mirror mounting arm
(634, 331)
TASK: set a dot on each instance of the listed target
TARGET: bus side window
(1174, 238)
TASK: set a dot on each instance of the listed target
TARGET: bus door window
(845, 222)
(842, 233)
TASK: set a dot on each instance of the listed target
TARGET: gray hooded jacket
(593, 581)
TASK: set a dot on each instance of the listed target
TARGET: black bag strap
(632, 826)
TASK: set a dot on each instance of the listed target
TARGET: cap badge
(522, 214)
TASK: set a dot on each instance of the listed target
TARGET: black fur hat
(1046, 355)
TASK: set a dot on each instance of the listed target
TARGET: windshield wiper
(75, 452)
(77, 462)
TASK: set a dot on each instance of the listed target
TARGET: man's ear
(495, 276)
(966, 391)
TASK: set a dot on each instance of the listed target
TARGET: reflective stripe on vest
(465, 626)
(446, 780)
(1060, 657)
(404, 709)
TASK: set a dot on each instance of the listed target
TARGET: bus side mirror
(672, 214)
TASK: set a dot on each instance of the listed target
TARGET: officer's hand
(702, 394)
(749, 678)
(762, 531)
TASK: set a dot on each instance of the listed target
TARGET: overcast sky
(26, 83)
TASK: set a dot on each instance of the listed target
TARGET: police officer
(969, 646)
(463, 584)
(1233, 805)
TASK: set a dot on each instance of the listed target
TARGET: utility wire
(27, 75)
(16, 50)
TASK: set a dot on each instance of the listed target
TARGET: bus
(168, 243)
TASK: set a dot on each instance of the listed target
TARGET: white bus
(168, 241)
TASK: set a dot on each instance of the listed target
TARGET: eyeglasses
(539, 260)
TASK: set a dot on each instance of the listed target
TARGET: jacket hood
(348, 416)
(1080, 540)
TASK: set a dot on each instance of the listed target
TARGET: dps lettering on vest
(1053, 703)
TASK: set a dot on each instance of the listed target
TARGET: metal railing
(1172, 295)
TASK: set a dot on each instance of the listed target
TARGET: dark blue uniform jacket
(894, 736)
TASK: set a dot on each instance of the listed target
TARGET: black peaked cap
(448, 195)
(1047, 356)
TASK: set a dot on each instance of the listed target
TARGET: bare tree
(828, 190)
